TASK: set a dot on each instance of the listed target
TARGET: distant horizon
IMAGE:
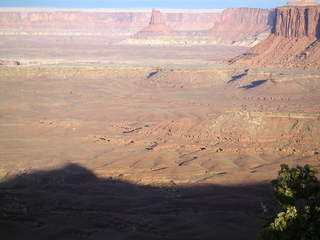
(143, 4)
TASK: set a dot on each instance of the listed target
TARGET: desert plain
(101, 140)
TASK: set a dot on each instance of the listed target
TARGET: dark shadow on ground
(239, 76)
(152, 74)
(318, 30)
(254, 84)
(72, 203)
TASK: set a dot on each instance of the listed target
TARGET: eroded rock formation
(157, 27)
(294, 42)
(297, 22)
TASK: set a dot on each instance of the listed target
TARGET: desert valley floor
(114, 142)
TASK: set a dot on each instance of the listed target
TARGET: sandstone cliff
(238, 24)
(294, 42)
(297, 22)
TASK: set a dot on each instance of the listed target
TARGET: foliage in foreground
(297, 190)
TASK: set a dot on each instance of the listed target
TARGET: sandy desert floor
(110, 142)
(86, 49)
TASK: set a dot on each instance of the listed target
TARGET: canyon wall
(90, 21)
(103, 21)
(294, 42)
(243, 23)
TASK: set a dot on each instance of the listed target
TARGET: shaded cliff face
(243, 23)
(294, 42)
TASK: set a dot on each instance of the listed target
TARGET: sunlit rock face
(297, 22)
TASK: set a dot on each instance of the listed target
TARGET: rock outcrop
(157, 28)
(239, 24)
(294, 42)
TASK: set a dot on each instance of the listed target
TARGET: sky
(187, 4)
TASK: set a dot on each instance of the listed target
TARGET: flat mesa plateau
(126, 142)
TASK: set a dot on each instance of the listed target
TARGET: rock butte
(157, 27)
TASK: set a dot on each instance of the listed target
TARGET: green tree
(297, 190)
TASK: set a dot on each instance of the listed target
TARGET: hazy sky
(194, 4)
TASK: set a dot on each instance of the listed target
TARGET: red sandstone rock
(157, 27)
(241, 23)
(294, 42)
(157, 18)
(296, 22)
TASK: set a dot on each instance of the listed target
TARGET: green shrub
(297, 190)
